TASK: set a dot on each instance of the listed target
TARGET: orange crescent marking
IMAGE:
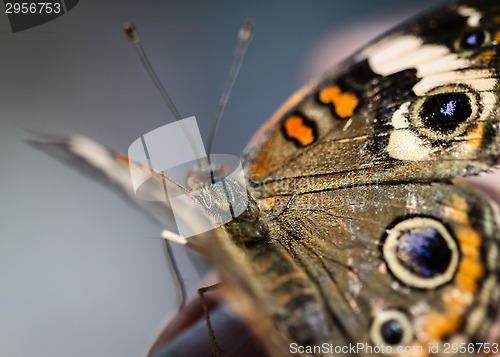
(295, 128)
(344, 103)
(290, 103)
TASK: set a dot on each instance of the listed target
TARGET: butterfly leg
(170, 236)
(173, 237)
(176, 274)
(202, 291)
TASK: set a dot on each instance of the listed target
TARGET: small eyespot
(392, 328)
(446, 111)
(472, 40)
(421, 253)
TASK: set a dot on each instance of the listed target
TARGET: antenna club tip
(131, 33)
(246, 30)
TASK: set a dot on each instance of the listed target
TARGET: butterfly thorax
(219, 194)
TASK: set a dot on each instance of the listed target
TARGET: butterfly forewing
(420, 103)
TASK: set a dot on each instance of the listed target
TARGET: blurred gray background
(81, 272)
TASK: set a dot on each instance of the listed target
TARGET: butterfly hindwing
(392, 264)
(426, 251)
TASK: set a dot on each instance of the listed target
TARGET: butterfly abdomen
(289, 290)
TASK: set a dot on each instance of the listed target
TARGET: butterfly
(359, 236)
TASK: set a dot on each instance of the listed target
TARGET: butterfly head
(204, 174)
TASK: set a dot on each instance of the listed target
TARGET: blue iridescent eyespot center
(473, 39)
(392, 332)
(449, 108)
(424, 251)
(446, 111)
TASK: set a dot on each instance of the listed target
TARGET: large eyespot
(421, 252)
(446, 112)
(472, 40)
(392, 328)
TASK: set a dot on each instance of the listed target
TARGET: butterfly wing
(355, 172)
(420, 103)
(116, 171)
(420, 258)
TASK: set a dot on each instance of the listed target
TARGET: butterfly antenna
(244, 37)
(133, 37)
